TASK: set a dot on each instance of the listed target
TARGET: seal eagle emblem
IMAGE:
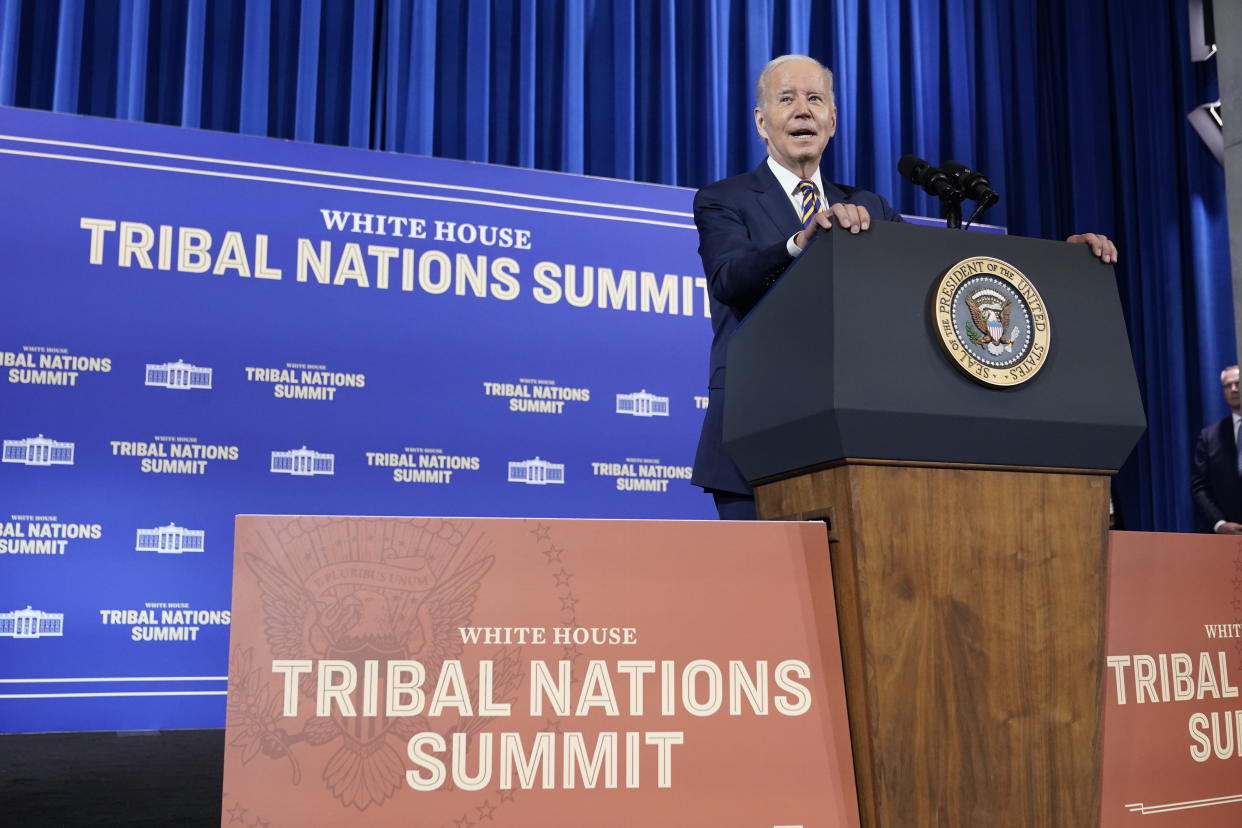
(991, 321)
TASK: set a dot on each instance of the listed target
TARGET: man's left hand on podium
(1100, 245)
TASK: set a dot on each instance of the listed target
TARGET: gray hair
(761, 82)
(1227, 369)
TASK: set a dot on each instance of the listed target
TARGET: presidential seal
(991, 321)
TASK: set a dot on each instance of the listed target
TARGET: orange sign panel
(1172, 746)
(458, 672)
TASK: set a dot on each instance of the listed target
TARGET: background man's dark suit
(1214, 483)
(744, 225)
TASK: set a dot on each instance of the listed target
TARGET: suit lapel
(834, 195)
(1230, 454)
(775, 201)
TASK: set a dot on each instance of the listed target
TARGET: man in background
(1214, 483)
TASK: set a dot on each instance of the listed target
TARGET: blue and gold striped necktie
(810, 201)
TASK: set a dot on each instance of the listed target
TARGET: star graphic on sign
(1237, 604)
(553, 554)
(261, 823)
(572, 652)
(485, 810)
(464, 822)
(1237, 564)
(237, 814)
(563, 577)
(553, 726)
(1237, 582)
(507, 796)
(541, 532)
(568, 603)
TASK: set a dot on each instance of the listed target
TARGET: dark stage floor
(157, 779)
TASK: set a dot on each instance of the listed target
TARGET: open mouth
(803, 133)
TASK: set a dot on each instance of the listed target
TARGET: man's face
(797, 118)
(1229, 385)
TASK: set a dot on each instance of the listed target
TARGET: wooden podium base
(972, 609)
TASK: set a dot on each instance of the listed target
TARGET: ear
(763, 133)
(832, 123)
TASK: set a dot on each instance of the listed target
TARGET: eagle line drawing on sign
(347, 618)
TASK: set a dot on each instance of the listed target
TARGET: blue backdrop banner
(200, 325)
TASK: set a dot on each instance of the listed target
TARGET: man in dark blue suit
(752, 226)
(1215, 483)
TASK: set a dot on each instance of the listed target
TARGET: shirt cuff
(794, 250)
(1219, 524)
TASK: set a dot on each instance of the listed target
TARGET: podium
(968, 524)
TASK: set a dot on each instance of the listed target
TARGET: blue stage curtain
(1075, 108)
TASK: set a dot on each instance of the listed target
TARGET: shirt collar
(789, 180)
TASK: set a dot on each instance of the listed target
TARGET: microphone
(933, 181)
(974, 183)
